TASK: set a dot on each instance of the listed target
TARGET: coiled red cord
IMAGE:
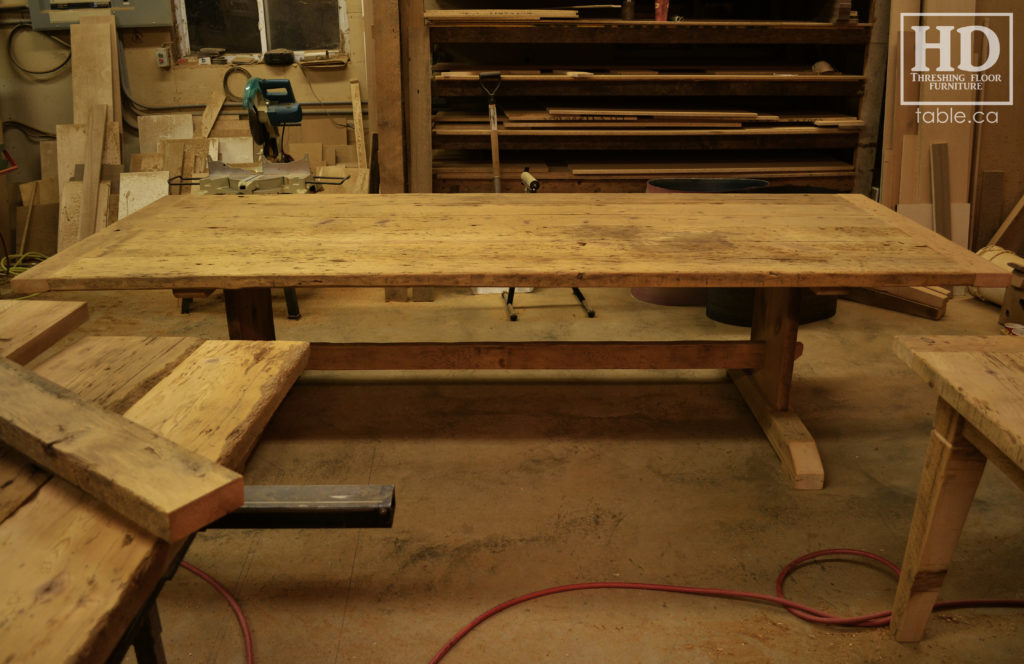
(250, 656)
(808, 613)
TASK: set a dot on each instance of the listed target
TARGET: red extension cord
(799, 610)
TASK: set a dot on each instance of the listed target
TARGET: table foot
(787, 434)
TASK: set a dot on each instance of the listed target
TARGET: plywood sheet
(68, 223)
(153, 128)
(236, 149)
(139, 190)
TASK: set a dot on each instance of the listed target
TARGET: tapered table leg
(951, 475)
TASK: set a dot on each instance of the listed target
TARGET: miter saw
(270, 104)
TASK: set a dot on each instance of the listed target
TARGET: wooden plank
(226, 423)
(210, 113)
(439, 15)
(922, 306)
(236, 149)
(416, 53)
(154, 128)
(357, 126)
(88, 589)
(385, 91)
(139, 190)
(68, 232)
(29, 327)
(87, 216)
(315, 152)
(71, 149)
(147, 162)
(167, 489)
(92, 81)
(48, 160)
(38, 233)
(872, 100)
(695, 167)
(1011, 229)
(940, 194)
(653, 113)
(114, 102)
(539, 355)
(988, 207)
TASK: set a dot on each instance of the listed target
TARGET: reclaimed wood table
(776, 243)
(979, 418)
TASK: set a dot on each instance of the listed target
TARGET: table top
(981, 377)
(542, 240)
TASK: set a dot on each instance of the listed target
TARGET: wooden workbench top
(542, 240)
(982, 378)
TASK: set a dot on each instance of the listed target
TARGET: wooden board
(71, 149)
(210, 113)
(357, 126)
(236, 149)
(38, 232)
(108, 22)
(142, 162)
(154, 128)
(166, 489)
(438, 15)
(554, 240)
(87, 589)
(68, 231)
(92, 80)
(652, 113)
(139, 190)
(94, 140)
(686, 168)
(28, 327)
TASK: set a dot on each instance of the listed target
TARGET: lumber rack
(267, 507)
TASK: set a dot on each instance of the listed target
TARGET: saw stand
(532, 185)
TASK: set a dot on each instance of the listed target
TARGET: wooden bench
(979, 418)
(75, 573)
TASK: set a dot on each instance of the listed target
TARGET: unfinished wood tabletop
(982, 378)
(546, 240)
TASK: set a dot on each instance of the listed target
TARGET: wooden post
(249, 313)
(766, 390)
(951, 475)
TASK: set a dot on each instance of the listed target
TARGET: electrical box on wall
(59, 14)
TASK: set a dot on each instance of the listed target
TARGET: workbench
(775, 243)
(978, 418)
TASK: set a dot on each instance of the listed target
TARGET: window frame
(185, 47)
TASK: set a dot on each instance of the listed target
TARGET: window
(257, 26)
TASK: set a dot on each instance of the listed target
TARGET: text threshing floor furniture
(776, 243)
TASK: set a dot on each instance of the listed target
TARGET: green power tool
(270, 104)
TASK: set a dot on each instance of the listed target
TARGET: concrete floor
(509, 483)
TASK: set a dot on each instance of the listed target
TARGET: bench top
(544, 240)
(28, 327)
(76, 573)
(981, 377)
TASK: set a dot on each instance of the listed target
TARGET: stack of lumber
(959, 178)
(37, 217)
(497, 15)
(611, 121)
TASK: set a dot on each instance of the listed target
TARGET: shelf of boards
(648, 32)
(445, 84)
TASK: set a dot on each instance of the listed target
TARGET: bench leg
(766, 390)
(249, 313)
(291, 301)
(952, 471)
(148, 645)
